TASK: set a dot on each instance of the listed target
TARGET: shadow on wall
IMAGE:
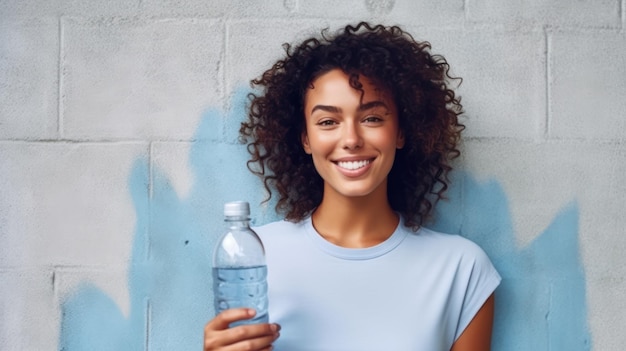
(541, 303)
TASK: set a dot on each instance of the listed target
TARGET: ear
(305, 142)
(400, 141)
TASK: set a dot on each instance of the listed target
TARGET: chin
(356, 193)
(354, 190)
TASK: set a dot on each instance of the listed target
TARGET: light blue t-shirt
(415, 291)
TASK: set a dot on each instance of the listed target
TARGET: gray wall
(118, 147)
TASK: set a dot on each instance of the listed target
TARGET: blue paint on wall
(91, 320)
(541, 304)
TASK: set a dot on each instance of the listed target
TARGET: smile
(352, 165)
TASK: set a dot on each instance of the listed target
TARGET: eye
(326, 123)
(372, 119)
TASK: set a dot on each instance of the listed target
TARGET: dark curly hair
(428, 112)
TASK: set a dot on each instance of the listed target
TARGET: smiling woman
(354, 133)
(415, 80)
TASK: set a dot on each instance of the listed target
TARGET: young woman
(354, 133)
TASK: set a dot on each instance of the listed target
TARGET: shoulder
(283, 242)
(450, 247)
(447, 242)
(278, 227)
(280, 232)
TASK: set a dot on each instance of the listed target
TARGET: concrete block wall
(118, 147)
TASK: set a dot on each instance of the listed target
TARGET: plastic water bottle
(239, 269)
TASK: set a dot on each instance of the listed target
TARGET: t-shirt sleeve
(482, 281)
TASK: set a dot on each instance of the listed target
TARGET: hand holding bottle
(258, 337)
(239, 288)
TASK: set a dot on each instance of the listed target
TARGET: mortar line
(548, 316)
(150, 169)
(148, 229)
(88, 141)
(548, 79)
(622, 14)
(54, 281)
(223, 62)
(60, 131)
(226, 87)
(148, 317)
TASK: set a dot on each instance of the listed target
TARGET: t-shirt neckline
(356, 253)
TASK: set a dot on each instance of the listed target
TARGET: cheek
(387, 141)
(321, 143)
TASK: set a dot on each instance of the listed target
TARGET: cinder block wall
(118, 147)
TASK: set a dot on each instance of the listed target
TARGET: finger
(244, 337)
(223, 319)
(263, 343)
(250, 332)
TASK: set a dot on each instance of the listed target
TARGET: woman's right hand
(252, 337)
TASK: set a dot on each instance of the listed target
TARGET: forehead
(336, 84)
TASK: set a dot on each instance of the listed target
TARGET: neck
(355, 222)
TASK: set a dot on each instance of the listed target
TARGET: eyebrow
(326, 108)
(363, 107)
(372, 104)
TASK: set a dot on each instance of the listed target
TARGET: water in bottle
(239, 269)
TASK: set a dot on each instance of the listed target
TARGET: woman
(354, 133)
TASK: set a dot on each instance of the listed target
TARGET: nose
(352, 139)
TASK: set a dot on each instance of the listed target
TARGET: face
(352, 139)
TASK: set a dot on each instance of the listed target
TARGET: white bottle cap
(237, 208)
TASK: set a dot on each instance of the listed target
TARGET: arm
(477, 335)
(218, 336)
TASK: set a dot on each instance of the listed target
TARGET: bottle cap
(237, 208)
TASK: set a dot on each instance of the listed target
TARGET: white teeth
(352, 165)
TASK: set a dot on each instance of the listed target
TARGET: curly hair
(428, 112)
